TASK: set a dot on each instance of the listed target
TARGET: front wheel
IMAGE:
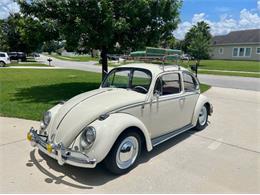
(2, 64)
(202, 119)
(124, 154)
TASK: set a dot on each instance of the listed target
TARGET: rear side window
(2, 55)
(190, 83)
(168, 84)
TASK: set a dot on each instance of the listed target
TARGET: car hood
(85, 108)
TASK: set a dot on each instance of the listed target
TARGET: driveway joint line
(21, 140)
(225, 143)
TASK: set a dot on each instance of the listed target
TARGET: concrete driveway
(224, 158)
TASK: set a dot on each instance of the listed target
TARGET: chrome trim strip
(154, 101)
(158, 140)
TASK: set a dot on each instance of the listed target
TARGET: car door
(189, 96)
(166, 108)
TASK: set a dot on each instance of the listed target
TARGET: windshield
(135, 79)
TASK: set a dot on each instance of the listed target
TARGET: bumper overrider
(59, 152)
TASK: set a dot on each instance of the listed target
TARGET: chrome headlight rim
(88, 137)
(46, 118)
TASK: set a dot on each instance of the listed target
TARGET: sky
(223, 16)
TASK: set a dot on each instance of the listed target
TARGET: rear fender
(201, 101)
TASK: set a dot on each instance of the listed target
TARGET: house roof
(238, 37)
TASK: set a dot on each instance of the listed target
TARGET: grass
(27, 64)
(204, 87)
(254, 75)
(27, 93)
(74, 58)
(229, 65)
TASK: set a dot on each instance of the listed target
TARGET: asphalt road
(213, 80)
(235, 82)
(223, 158)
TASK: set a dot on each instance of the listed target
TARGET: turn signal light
(29, 136)
(49, 148)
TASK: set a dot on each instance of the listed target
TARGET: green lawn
(27, 93)
(204, 87)
(27, 64)
(74, 58)
(230, 65)
(255, 75)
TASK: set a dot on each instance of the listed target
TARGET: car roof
(154, 68)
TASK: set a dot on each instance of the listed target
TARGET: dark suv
(17, 56)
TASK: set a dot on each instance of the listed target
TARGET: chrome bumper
(59, 152)
(211, 109)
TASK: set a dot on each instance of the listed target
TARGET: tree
(25, 33)
(202, 27)
(198, 41)
(199, 47)
(101, 24)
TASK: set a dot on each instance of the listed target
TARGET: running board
(158, 140)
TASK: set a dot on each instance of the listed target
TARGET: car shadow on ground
(89, 178)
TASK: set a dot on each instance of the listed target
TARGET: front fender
(201, 101)
(108, 130)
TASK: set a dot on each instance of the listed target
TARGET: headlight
(88, 137)
(46, 118)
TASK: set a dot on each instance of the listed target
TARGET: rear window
(190, 83)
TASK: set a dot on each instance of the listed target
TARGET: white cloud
(7, 7)
(248, 19)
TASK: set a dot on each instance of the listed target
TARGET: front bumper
(210, 109)
(59, 152)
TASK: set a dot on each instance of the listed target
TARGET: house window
(242, 52)
(248, 52)
(221, 50)
(235, 51)
(258, 50)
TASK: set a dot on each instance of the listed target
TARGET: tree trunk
(104, 62)
(91, 51)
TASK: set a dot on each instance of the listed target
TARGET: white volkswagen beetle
(137, 105)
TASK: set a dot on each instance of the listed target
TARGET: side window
(190, 83)
(168, 84)
(2, 55)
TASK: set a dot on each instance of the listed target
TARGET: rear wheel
(124, 154)
(202, 119)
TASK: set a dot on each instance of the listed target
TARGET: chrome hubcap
(203, 116)
(127, 152)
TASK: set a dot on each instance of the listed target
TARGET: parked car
(113, 57)
(186, 57)
(137, 105)
(17, 56)
(4, 59)
(36, 55)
